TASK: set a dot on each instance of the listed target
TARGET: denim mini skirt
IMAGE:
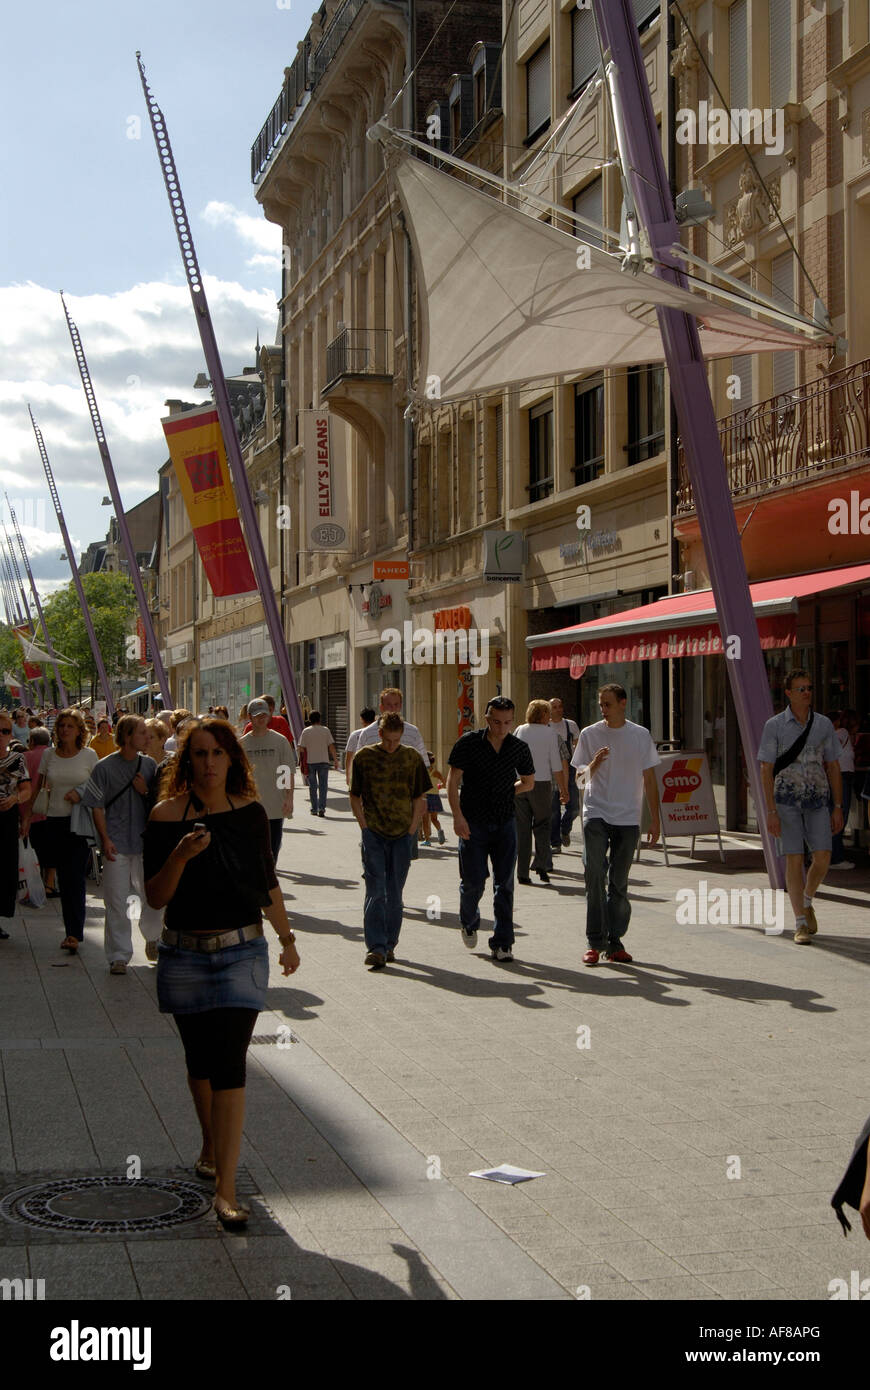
(191, 982)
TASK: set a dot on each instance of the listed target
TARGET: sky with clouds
(85, 211)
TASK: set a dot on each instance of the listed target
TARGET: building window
(645, 12)
(479, 94)
(538, 92)
(585, 53)
(779, 46)
(646, 413)
(738, 54)
(589, 429)
(455, 124)
(588, 203)
(541, 452)
(782, 281)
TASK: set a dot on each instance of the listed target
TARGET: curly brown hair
(178, 776)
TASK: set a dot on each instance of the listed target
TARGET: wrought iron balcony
(793, 437)
(358, 352)
(305, 72)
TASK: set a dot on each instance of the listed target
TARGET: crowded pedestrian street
(690, 1113)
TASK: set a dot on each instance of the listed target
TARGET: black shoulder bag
(112, 799)
(791, 754)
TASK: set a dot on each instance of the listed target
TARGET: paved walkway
(641, 1091)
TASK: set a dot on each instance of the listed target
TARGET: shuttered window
(538, 91)
(779, 22)
(585, 53)
(738, 54)
(499, 459)
(645, 11)
(782, 280)
(588, 203)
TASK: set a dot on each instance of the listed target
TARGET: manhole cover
(106, 1206)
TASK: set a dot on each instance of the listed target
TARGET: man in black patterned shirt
(487, 768)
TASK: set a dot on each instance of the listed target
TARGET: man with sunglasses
(803, 788)
(488, 767)
(14, 787)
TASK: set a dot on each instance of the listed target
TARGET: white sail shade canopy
(33, 653)
(504, 301)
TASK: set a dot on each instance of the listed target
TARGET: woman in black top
(213, 968)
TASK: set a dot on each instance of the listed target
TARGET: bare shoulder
(245, 800)
(173, 809)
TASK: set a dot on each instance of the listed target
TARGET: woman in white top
(534, 807)
(64, 769)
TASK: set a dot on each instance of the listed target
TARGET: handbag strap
(791, 754)
(113, 799)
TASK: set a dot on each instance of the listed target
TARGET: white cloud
(142, 348)
(265, 236)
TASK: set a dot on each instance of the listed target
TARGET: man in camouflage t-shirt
(388, 796)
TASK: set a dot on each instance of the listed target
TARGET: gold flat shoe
(205, 1168)
(230, 1217)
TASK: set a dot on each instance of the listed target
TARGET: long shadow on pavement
(609, 981)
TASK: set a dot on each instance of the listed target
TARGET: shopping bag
(30, 885)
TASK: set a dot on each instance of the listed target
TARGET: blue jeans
(837, 855)
(385, 863)
(607, 907)
(564, 817)
(318, 780)
(498, 843)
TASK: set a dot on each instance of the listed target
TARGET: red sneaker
(621, 956)
(591, 957)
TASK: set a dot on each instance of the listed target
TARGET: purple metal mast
(124, 529)
(48, 642)
(222, 403)
(77, 579)
(640, 151)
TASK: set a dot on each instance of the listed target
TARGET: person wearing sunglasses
(803, 788)
(14, 788)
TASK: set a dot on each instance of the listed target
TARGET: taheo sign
(452, 619)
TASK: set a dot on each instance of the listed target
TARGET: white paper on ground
(506, 1172)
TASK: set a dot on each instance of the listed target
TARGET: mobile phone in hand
(201, 827)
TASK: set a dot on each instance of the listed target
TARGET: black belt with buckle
(211, 941)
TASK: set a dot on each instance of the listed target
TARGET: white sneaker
(843, 864)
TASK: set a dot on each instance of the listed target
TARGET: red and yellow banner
(196, 448)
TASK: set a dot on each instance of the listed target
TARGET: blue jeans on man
(386, 863)
(563, 817)
(318, 781)
(495, 842)
(609, 850)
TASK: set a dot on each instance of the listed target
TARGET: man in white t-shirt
(319, 747)
(273, 764)
(615, 759)
(368, 718)
(391, 703)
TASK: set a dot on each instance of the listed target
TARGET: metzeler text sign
(686, 795)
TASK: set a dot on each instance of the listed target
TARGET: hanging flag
(196, 448)
(23, 634)
(325, 483)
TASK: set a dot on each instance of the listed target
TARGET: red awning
(684, 624)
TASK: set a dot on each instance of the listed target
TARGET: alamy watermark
(713, 125)
(442, 647)
(741, 907)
